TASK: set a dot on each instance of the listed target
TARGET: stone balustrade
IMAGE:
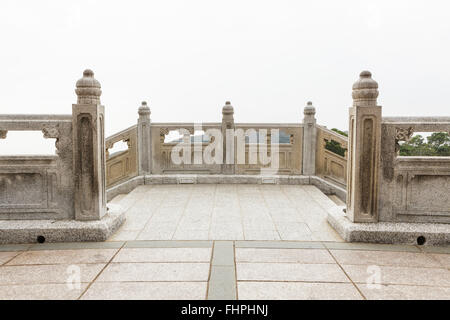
(300, 148)
(389, 198)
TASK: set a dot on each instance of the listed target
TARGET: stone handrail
(413, 188)
(36, 186)
(331, 165)
(122, 165)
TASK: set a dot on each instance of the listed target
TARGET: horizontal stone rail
(413, 189)
(38, 187)
(122, 165)
(331, 165)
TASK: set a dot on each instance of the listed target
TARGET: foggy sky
(186, 58)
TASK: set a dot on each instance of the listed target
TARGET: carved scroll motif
(52, 132)
(3, 134)
(162, 134)
(402, 134)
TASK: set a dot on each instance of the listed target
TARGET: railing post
(309, 140)
(228, 166)
(364, 151)
(88, 129)
(144, 140)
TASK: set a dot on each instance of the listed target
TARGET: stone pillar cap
(309, 109)
(144, 108)
(228, 108)
(365, 88)
(88, 89)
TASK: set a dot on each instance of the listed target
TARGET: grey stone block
(27, 231)
(389, 232)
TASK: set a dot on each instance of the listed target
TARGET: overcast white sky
(186, 58)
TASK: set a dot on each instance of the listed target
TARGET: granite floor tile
(314, 256)
(80, 256)
(5, 256)
(119, 272)
(296, 291)
(383, 258)
(41, 292)
(146, 291)
(444, 259)
(290, 272)
(163, 255)
(399, 275)
(402, 292)
(34, 274)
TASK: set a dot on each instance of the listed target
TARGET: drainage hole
(41, 239)
(421, 240)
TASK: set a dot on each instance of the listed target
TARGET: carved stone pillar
(228, 166)
(363, 151)
(144, 140)
(88, 128)
(309, 140)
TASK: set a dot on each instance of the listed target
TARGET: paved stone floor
(236, 242)
(226, 212)
(223, 270)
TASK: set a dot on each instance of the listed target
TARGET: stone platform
(28, 231)
(389, 232)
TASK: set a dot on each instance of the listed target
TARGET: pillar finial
(365, 90)
(144, 109)
(227, 108)
(88, 89)
(309, 109)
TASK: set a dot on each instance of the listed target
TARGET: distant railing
(122, 165)
(153, 148)
(330, 164)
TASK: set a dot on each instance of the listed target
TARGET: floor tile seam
(241, 215)
(183, 214)
(100, 272)
(18, 253)
(149, 220)
(297, 209)
(152, 281)
(282, 262)
(54, 246)
(348, 276)
(210, 269)
(37, 283)
(270, 214)
(391, 266)
(294, 281)
(140, 196)
(212, 213)
(177, 244)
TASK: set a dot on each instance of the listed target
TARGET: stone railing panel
(329, 164)
(38, 187)
(413, 189)
(122, 165)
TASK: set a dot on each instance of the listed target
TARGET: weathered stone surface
(309, 140)
(27, 231)
(389, 232)
(89, 162)
(38, 187)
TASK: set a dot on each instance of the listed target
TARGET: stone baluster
(88, 129)
(144, 140)
(228, 166)
(309, 140)
(363, 151)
